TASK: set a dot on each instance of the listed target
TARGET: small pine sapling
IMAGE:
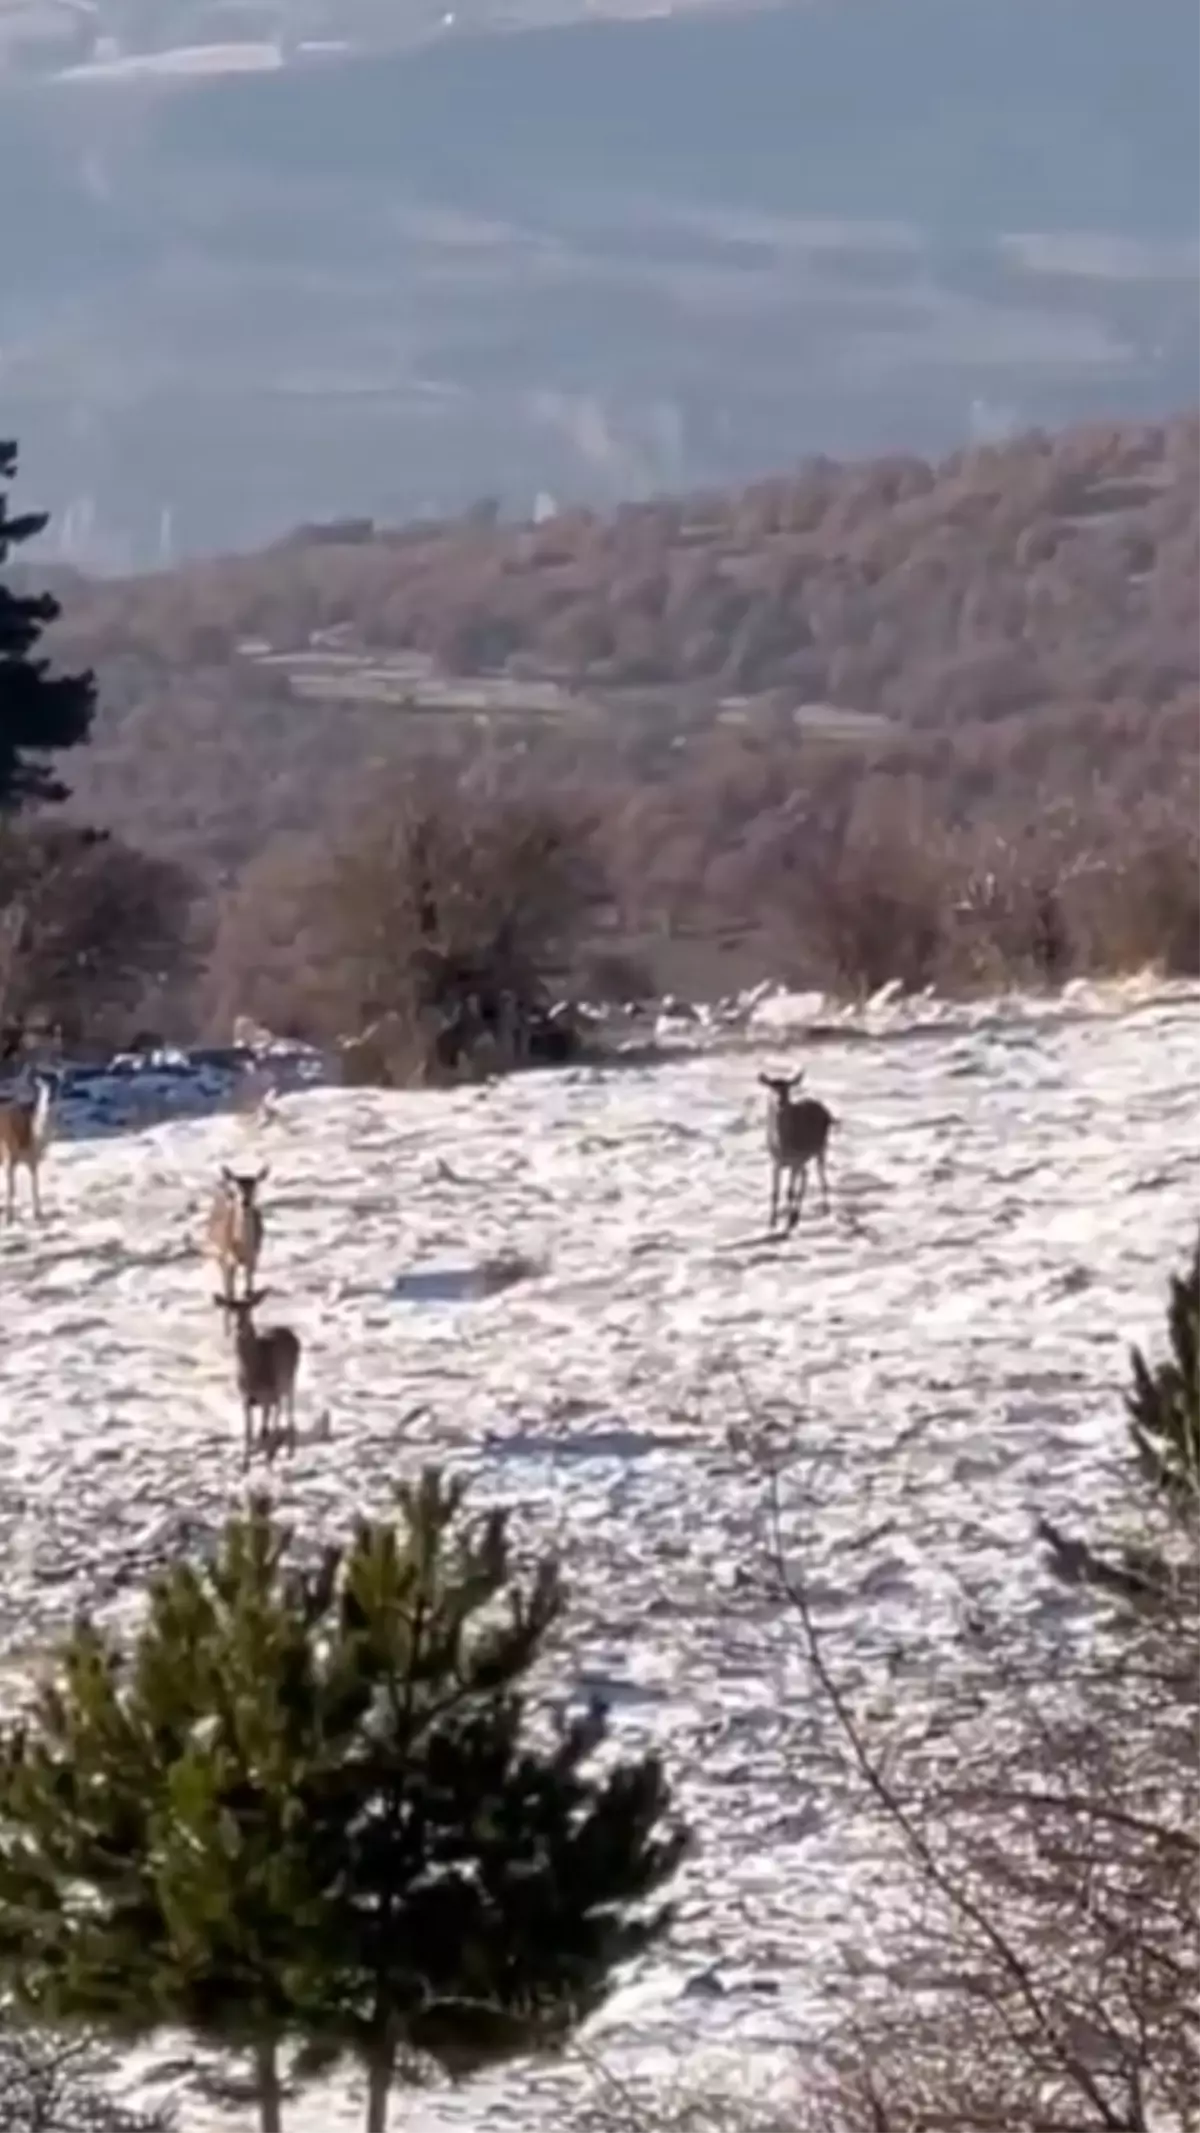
(305, 1813)
(1164, 1401)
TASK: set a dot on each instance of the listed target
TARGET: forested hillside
(975, 670)
(1033, 600)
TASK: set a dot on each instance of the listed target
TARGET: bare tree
(94, 931)
(440, 921)
(1047, 1973)
(52, 2085)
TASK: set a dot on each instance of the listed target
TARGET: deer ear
(256, 1296)
(221, 1302)
(766, 1081)
(228, 1175)
(263, 1174)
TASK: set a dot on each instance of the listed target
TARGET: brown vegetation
(97, 935)
(864, 721)
(436, 924)
(1041, 571)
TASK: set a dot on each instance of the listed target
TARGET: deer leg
(247, 1434)
(797, 1182)
(824, 1183)
(9, 1190)
(35, 1192)
(776, 1178)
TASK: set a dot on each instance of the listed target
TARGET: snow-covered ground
(1009, 1185)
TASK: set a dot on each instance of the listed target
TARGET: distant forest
(1019, 622)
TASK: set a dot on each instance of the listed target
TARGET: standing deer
(235, 1227)
(267, 1363)
(24, 1132)
(797, 1134)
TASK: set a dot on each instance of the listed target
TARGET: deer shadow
(465, 1283)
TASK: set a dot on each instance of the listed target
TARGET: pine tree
(1164, 1402)
(498, 1928)
(305, 1811)
(40, 714)
(1163, 1408)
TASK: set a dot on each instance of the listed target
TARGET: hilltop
(890, 719)
(1011, 621)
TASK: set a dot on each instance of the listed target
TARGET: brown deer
(24, 1132)
(797, 1134)
(235, 1227)
(267, 1364)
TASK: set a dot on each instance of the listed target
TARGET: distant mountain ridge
(596, 259)
(766, 107)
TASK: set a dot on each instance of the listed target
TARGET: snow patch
(1009, 1182)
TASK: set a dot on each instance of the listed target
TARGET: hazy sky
(597, 259)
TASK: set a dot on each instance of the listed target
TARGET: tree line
(216, 865)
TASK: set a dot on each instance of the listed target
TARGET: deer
(798, 1130)
(235, 1227)
(267, 1364)
(24, 1132)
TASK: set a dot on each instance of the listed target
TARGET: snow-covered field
(1009, 1184)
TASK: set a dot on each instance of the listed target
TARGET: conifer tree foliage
(40, 714)
(1164, 1402)
(1163, 1409)
(304, 1815)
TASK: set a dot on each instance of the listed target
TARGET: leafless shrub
(1047, 1971)
(1141, 906)
(101, 935)
(614, 2105)
(395, 1050)
(615, 975)
(434, 930)
(266, 957)
(871, 899)
(856, 896)
(48, 2085)
(875, 897)
(459, 906)
(1009, 919)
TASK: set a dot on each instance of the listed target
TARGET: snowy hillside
(1008, 1187)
